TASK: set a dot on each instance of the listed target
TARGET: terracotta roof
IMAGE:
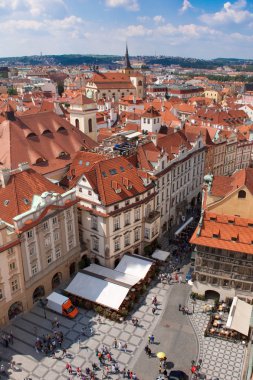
(146, 154)
(40, 139)
(81, 100)
(82, 163)
(223, 185)
(151, 112)
(225, 232)
(172, 143)
(114, 180)
(17, 196)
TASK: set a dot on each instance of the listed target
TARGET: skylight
(113, 171)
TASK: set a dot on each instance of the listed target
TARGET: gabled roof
(18, 194)
(151, 112)
(172, 143)
(224, 185)
(114, 180)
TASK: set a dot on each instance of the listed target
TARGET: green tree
(12, 91)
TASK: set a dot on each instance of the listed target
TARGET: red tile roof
(18, 194)
(223, 185)
(39, 139)
(115, 173)
(219, 233)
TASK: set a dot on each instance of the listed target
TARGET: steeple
(127, 60)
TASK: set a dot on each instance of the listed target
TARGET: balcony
(152, 216)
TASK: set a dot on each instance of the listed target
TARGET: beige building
(117, 207)
(43, 220)
(214, 95)
(223, 239)
(83, 113)
(12, 288)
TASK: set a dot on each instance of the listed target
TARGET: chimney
(23, 166)
(4, 177)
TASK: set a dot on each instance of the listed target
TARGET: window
(95, 244)
(147, 233)
(10, 251)
(242, 194)
(127, 239)
(14, 285)
(29, 234)
(34, 269)
(137, 214)
(55, 220)
(116, 223)
(58, 253)
(90, 125)
(127, 218)
(89, 192)
(127, 203)
(47, 241)
(49, 259)
(116, 207)
(32, 250)
(56, 235)
(69, 227)
(137, 199)
(45, 226)
(117, 244)
(137, 234)
(68, 214)
(80, 190)
(71, 243)
(12, 265)
(94, 223)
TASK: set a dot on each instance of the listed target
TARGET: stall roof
(183, 226)
(160, 255)
(132, 135)
(112, 274)
(239, 316)
(97, 290)
(134, 265)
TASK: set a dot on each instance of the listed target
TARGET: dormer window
(242, 194)
(234, 238)
(216, 235)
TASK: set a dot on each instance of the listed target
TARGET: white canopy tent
(239, 316)
(97, 290)
(160, 255)
(134, 265)
(183, 226)
(112, 274)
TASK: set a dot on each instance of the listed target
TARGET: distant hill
(111, 61)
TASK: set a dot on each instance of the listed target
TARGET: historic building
(116, 85)
(116, 205)
(224, 237)
(40, 240)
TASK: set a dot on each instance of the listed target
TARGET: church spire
(127, 60)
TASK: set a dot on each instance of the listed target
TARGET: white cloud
(131, 5)
(185, 6)
(143, 18)
(159, 19)
(136, 30)
(230, 13)
(34, 7)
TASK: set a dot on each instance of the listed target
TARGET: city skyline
(184, 28)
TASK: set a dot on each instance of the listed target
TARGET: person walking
(125, 347)
(115, 343)
(152, 339)
(153, 310)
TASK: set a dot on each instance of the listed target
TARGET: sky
(186, 28)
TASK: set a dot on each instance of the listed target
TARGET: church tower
(127, 65)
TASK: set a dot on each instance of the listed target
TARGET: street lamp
(43, 304)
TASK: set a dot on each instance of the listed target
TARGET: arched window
(77, 123)
(90, 125)
(140, 83)
(242, 194)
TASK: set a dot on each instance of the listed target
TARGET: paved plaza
(222, 359)
(180, 336)
(26, 327)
